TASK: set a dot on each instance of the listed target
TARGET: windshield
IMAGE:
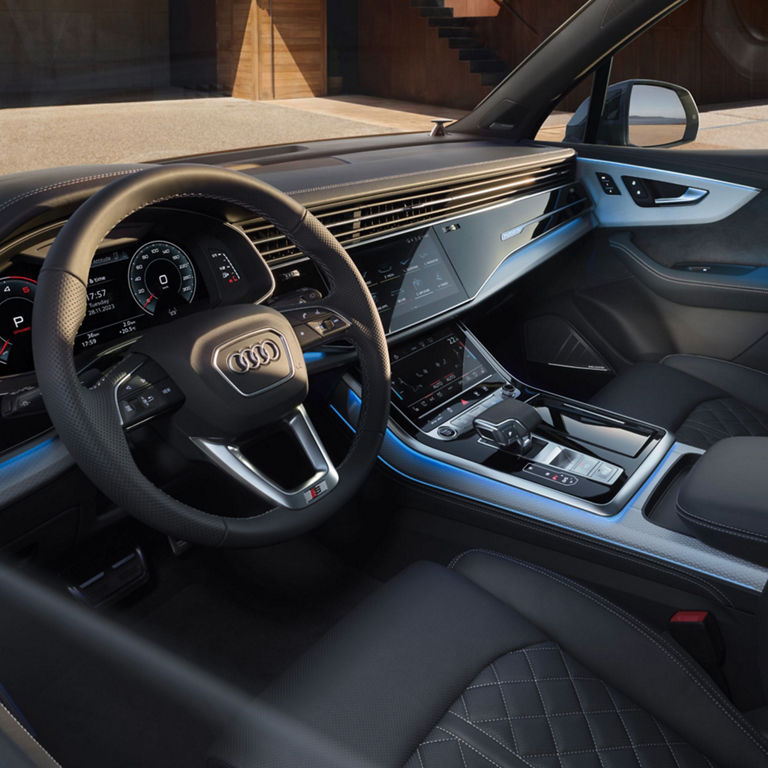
(94, 82)
(83, 81)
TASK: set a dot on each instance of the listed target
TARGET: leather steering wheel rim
(87, 419)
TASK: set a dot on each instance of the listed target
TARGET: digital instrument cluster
(141, 282)
(127, 289)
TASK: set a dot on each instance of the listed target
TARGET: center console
(449, 394)
(461, 426)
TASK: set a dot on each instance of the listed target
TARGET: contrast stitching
(474, 749)
(678, 573)
(492, 738)
(544, 708)
(584, 712)
(34, 740)
(667, 650)
(722, 527)
(724, 363)
(63, 184)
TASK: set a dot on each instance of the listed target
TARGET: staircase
(459, 34)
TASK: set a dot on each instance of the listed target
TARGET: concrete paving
(39, 137)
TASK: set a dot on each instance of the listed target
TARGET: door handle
(691, 196)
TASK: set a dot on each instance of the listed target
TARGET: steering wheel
(238, 367)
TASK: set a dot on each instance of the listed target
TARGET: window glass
(715, 49)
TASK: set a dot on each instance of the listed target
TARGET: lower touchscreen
(427, 375)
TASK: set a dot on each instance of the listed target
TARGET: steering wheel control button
(306, 336)
(255, 362)
(133, 385)
(328, 325)
(146, 393)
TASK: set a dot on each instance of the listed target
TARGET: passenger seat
(701, 399)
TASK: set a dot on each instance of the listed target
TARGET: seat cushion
(496, 662)
(701, 399)
(540, 705)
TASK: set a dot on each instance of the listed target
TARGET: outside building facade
(448, 52)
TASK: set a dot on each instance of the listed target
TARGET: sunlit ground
(40, 137)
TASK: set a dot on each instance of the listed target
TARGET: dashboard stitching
(421, 173)
(62, 184)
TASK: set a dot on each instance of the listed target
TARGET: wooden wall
(698, 46)
(281, 55)
(401, 57)
(718, 49)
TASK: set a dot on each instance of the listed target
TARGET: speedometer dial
(16, 297)
(161, 278)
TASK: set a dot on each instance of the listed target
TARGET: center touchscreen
(410, 279)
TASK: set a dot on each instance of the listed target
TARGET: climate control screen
(435, 372)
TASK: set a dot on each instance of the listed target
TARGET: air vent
(359, 220)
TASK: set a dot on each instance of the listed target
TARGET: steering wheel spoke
(227, 455)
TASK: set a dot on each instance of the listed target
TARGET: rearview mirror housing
(640, 113)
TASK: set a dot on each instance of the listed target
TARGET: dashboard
(425, 253)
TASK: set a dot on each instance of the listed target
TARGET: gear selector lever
(508, 424)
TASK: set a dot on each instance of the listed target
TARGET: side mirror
(640, 113)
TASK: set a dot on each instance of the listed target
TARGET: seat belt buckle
(699, 634)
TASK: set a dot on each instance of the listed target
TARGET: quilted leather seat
(701, 399)
(497, 663)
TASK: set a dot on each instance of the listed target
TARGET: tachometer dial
(161, 278)
(16, 297)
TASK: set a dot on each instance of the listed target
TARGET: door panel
(659, 280)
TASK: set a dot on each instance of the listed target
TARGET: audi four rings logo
(256, 356)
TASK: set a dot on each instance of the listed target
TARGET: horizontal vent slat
(357, 221)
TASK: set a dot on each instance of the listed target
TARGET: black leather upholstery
(723, 499)
(500, 663)
(702, 399)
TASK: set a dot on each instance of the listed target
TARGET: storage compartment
(661, 508)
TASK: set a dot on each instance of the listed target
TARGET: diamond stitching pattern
(540, 708)
(715, 420)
